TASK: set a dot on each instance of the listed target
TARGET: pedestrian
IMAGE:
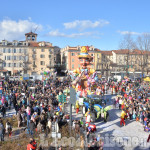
(32, 144)
(8, 128)
(77, 107)
(32, 127)
(19, 118)
(122, 117)
(3, 111)
(2, 130)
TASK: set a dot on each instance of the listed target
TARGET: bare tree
(143, 44)
(25, 62)
(128, 44)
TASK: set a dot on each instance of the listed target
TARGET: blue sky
(101, 23)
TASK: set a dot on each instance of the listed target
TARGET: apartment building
(70, 61)
(13, 55)
(124, 61)
(29, 56)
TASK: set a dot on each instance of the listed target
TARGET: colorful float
(85, 82)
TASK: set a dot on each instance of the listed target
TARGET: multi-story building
(126, 61)
(13, 56)
(70, 61)
(29, 56)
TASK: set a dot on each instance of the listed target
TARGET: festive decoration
(84, 78)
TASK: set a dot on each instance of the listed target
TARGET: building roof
(31, 33)
(107, 52)
(131, 52)
(36, 44)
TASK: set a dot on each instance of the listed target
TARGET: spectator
(32, 145)
(2, 131)
(32, 127)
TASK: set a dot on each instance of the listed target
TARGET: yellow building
(29, 56)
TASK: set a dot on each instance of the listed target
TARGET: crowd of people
(38, 108)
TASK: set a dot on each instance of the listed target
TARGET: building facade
(28, 57)
(70, 61)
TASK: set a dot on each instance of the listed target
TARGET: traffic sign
(72, 95)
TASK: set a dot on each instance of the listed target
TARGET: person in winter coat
(32, 127)
(19, 118)
(8, 128)
(2, 131)
(3, 111)
(32, 145)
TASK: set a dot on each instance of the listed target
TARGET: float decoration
(85, 78)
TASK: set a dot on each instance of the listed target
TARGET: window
(20, 57)
(26, 58)
(15, 58)
(20, 50)
(42, 50)
(34, 63)
(5, 57)
(33, 50)
(4, 50)
(49, 56)
(4, 64)
(8, 57)
(15, 64)
(34, 56)
(42, 56)
(20, 64)
(28, 38)
(9, 64)
(73, 66)
(14, 50)
(9, 50)
(72, 54)
(42, 62)
(72, 60)
(33, 38)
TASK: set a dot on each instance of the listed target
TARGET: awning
(15, 71)
(3, 70)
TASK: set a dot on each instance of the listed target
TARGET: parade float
(85, 82)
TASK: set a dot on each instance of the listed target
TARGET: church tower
(31, 37)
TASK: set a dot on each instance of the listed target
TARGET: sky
(101, 23)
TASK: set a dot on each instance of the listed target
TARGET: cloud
(56, 33)
(128, 32)
(84, 24)
(15, 30)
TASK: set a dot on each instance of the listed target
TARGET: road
(116, 137)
